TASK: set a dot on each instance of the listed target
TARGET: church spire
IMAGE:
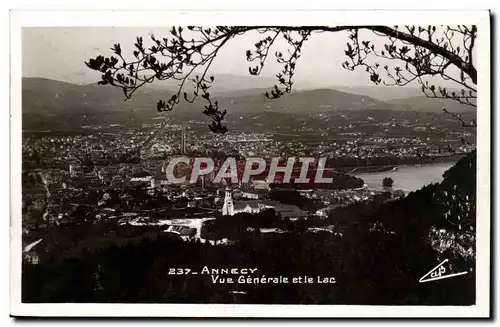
(228, 207)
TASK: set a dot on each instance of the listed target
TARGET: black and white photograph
(315, 161)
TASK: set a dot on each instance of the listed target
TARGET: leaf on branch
(160, 105)
(117, 49)
(374, 77)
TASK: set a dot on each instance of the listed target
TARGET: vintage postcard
(250, 164)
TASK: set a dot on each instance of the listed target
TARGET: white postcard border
(21, 19)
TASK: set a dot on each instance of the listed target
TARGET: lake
(407, 178)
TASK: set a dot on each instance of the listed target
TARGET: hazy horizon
(60, 53)
(303, 86)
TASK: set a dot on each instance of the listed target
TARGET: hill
(49, 96)
(381, 92)
(223, 83)
(423, 103)
(49, 103)
(319, 100)
(40, 95)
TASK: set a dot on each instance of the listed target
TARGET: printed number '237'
(179, 271)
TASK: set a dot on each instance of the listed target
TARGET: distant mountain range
(50, 96)
(44, 96)
(406, 98)
(319, 100)
(228, 83)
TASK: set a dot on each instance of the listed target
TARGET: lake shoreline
(407, 177)
(359, 170)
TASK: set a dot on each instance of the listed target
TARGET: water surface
(407, 178)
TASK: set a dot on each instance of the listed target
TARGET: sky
(60, 52)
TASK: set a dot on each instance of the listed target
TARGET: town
(110, 174)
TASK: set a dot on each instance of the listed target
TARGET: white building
(228, 207)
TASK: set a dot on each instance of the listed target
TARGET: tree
(387, 182)
(398, 56)
(407, 54)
